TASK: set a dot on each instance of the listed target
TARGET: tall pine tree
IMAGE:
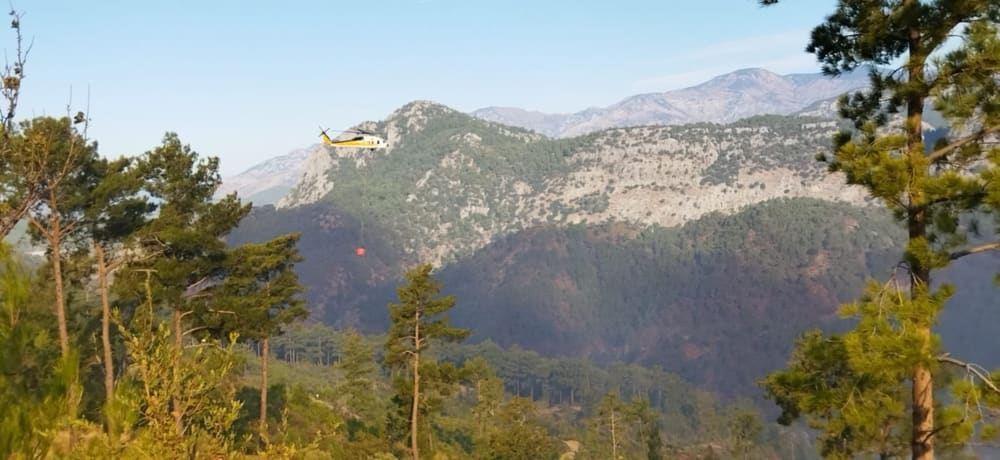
(182, 247)
(416, 320)
(261, 292)
(186, 235)
(928, 189)
(113, 214)
(68, 170)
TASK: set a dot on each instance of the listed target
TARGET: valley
(703, 249)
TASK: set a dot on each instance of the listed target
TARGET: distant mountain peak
(725, 98)
(748, 72)
(419, 108)
(268, 181)
(729, 97)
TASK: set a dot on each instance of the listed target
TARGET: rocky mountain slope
(450, 183)
(723, 99)
(726, 98)
(267, 182)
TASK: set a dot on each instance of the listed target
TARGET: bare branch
(8, 221)
(994, 246)
(973, 368)
(86, 116)
(119, 262)
(13, 75)
(196, 288)
(69, 227)
(189, 331)
(417, 341)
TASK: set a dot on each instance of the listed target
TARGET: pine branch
(948, 199)
(973, 368)
(994, 246)
(69, 227)
(417, 343)
(8, 222)
(941, 152)
(123, 260)
(38, 226)
(930, 434)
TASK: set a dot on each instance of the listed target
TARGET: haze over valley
(547, 233)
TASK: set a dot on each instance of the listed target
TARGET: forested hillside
(571, 397)
(717, 301)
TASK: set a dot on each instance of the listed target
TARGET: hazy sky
(248, 80)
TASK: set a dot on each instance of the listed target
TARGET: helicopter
(363, 139)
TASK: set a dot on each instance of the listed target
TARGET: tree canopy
(936, 192)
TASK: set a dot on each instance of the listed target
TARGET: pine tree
(179, 403)
(648, 423)
(611, 420)
(261, 292)
(416, 321)
(186, 235)
(856, 412)
(34, 379)
(928, 189)
(519, 437)
(182, 247)
(113, 214)
(744, 429)
(489, 391)
(357, 387)
(66, 166)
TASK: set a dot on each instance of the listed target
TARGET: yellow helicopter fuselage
(364, 141)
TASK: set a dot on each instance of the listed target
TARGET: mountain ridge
(453, 182)
(270, 180)
(263, 184)
(723, 98)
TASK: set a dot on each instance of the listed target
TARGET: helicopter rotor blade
(358, 131)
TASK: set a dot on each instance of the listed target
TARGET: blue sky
(249, 80)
